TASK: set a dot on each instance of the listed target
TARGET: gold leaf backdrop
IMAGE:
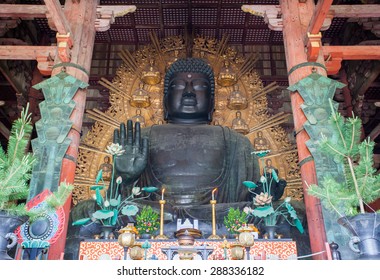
(156, 58)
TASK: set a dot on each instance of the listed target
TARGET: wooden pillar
(81, 16)
(296, 17)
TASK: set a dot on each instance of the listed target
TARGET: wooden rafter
(23, 11)
(355, 11)
(58, 17)
(334, 55)
(319, 16)
(270, 14)
(53, 10)
(26, 52)
(353, 52)
(105, 14)
(43, 54)
(64, 35)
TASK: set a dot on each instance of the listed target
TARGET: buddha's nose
(189, 91)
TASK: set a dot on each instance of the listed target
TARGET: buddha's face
(189, 99)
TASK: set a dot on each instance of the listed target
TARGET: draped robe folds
(192, 160)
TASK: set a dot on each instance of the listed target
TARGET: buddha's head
(189, 92)
(106, 159)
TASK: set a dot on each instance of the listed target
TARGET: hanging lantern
(140, 98)
(236, 100)
(151, 75)
(226, 77)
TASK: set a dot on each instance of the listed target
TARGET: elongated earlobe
(166, 114)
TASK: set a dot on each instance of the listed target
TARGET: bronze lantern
(127, 237)
(136, 252)
(237, 251)
(246, 239)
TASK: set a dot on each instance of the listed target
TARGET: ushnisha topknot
(191, 65)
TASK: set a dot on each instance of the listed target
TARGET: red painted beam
(58, 17)
(26, 52)
(319, 15)
(353, 52)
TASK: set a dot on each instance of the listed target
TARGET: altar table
(97, 249)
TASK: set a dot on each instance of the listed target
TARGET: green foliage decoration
(235, 220)
(360, 185)
(147, 221)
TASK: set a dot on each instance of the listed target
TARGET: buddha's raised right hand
(133, 161)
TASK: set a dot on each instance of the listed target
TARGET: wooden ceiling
(210, 18)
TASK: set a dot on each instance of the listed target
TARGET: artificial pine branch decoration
(16, 166)
(147, 221)
(361, 185)
(16, 169)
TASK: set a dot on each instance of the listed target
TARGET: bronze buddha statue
(187, 155)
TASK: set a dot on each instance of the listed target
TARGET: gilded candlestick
(161, 235)
(213, 214)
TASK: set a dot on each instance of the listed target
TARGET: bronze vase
(270, 231)
(146, 236)
(8, 224)
(107, 231)
(365, 230)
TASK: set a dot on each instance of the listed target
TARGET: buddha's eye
(177, 85)
(200, 85)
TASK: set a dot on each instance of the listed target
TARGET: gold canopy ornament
(227, 77)
(150, 74)
(236, 100)
(140, 98)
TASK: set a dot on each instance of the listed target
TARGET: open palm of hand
(133, 161)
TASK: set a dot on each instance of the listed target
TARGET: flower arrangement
(111, 205)
(147, 221)
(234, 220)
(16, 166)
(263, 201)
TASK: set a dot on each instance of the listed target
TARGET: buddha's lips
(189, 99)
